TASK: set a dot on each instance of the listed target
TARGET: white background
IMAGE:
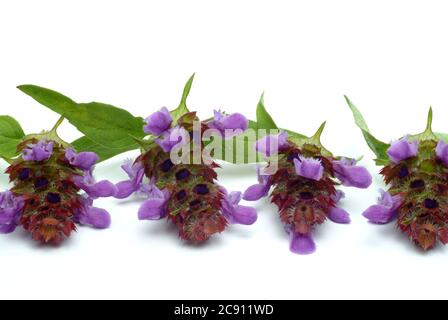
(390, 57)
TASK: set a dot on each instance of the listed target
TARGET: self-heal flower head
(442, 152)
(158, 122)
(235, 213)
(184, 189)
(352, 175)
(39, 151)
(309, 168)
(415, 173)
(402, 150)
(259, 190)
(173, 138)
(229, 125)
(46, 194)
(385, 210)
(83, 160)
(10, 211)
(272, 144)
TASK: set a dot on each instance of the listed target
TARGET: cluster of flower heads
(418, 194)
(305, 187)
(185, 194)
(45, 199)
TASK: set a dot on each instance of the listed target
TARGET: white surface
(390, 57)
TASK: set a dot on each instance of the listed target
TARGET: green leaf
(264, 119)
(85, 144)
(11, 134)
(428, 134)
(104, 124)
(377, 146)
(10, 128)
(182, 108)
(243, 154)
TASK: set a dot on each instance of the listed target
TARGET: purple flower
(301, 243)
(351, 175)
(40, 151)
(155, 207)
(228, 126)
(175, 137)
(95, 189)
(92, 216)
(339, 215)
(83, 160)
(10, 211)
(442, 152)
(402, 149)
(136, 172)
(235, 213)
(385, 210)
(158, 122)
(338, 196)
(260, 190)
(272, 144)
(309, 168)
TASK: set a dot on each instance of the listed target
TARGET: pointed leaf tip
(182, 108)
(187, 89)
(377, 146)
(319, 131)
(264, 119)
(429, 122)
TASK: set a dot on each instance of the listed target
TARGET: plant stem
(58, 123)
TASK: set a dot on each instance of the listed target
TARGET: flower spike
(415, 170)
(185, 192)
(304, 186)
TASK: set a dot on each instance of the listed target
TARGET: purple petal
(339, 215)
(272, 144)
(8, 228)
(379, 214)
(229, 125)
(152, 209)
(389, 201)
(442, 152)
(95, 217)
(235, 213)
(402, 150)
(125, 189)
(173, 138)
(158, 122)
(309, 168)
(10, 211)
(302, 243)
(136, 172)
(351, 175)
(338, 196)
(102, 189)
(83, 160)
(244, 215)
(256, 192)
(41, 151)
(94, 189)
